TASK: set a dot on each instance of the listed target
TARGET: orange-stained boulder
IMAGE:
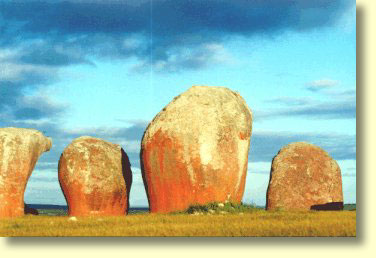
(304, 177)
(19, 151)
(195, 151)
(95, 177)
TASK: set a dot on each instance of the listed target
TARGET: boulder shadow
(30, 211)
(144, 176)
(127, 174)
(330, 206)
(270, 179)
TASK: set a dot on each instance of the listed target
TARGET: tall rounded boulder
(304, 177)
(95, 177)
(19, 152)
(195, 151)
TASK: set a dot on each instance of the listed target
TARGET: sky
(106, 68)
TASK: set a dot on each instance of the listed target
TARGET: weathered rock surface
(19, 151)
(195, 151)
(95, 177)
(302, 177)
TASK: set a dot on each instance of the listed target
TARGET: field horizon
(211, 220)
(347, 206)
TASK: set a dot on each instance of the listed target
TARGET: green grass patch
(220, 208)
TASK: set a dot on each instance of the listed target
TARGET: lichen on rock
(95, 177)
(19, 152)
(195, 151)
(302, 177)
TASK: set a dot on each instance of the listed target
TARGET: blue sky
(106, 68)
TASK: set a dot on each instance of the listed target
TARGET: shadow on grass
(330, 206)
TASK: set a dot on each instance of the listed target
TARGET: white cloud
(133, 43)
(321, 84)
(94, 130)
(187, 57)
(342, 108)
(41, 100)
(33, 122)
(7, 54)
(20, 72)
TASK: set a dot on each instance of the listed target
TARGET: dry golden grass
(255, 223)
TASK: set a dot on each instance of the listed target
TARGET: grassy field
(198, 221)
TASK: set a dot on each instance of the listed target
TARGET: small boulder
(19, 152)
(302, 177)
(95, 177)
(195, 151)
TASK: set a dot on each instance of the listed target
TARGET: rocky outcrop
(304, 177)
(195, 151)
(95, 177)
(19, 152)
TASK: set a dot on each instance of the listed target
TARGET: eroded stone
(19, 151)
(195, 151)
(95, 177)
(302, 177)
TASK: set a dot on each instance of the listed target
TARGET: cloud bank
(322, 84)
(342, 104)
(59, 33)
(320, 110)
(39, 37)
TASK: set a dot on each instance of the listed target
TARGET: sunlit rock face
(95, 177)
(19, 152)
(195, 151)
(304, 177)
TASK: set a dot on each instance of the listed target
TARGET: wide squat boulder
(304, 177)
(19, 151)
(195, 151)
(95, 177)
